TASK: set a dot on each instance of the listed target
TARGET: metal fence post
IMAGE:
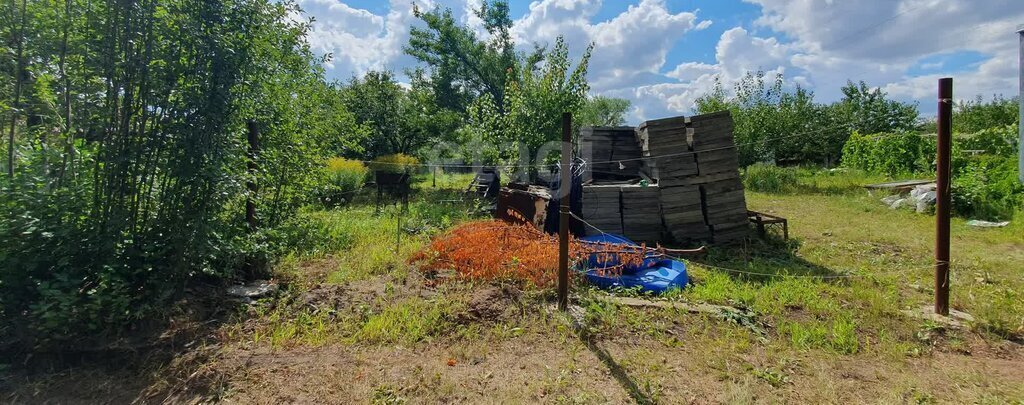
(1020, 99)
(942, 172)
(564, 190)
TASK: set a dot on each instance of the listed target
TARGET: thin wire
(723, 147)
(820, 276)
(542, 165)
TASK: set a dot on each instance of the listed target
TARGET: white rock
(255, 289)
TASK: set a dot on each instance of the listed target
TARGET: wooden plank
(898, 184)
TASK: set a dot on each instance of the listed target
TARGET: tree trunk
(18, 74)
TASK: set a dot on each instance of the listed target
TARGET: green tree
(975, 115)
(770, 123)
(534, 104)
(788, 126)
(869, 111)
(377, 100)
(464, 66)
(603, 111)
(400, 120)
(131, 161)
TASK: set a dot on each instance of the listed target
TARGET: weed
(386, 395)
(844, 336)
(769, 178)
(408, 321)
(771, 376)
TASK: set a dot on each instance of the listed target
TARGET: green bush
(987, 187)
(1000, 141)
(890, 153)
(396, 163)
(344, 177)
(984, 166)
(769, 178)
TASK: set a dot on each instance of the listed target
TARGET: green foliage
(774, 124)
(397, 163)
(464, 66)
(978, 115)
(769, 178)
(868, 111)
(998, 140)
(345, 177)
(987, 187)
(400, 120)
(532, 114)
(890, 153)
(984, 185)
(131, 167)
(603, 111)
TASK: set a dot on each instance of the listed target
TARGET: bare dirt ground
(512, 355)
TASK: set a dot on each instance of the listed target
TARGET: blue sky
(663, 54)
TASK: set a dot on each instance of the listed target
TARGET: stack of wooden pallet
(601, 209)
(713, 144)
(641, 213)
(614, 151)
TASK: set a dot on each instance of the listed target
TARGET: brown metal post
(564, 190)
(254, 147)
(942, 172)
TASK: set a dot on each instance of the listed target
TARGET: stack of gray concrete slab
(641, 213)
(614, 151)
(602, 209)
(699, 193)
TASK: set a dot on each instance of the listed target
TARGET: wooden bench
(762, 220)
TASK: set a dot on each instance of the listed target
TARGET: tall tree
(534, 104)
(400, 120)
(869, 111)
(460, 61)
(975, 115)
(161, 91)
(603, 111)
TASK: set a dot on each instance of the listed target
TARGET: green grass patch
(407, 322)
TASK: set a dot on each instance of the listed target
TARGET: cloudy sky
(663, 54)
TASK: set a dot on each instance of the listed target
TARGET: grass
(796, 325)
(796, 338)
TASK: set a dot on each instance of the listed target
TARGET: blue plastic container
(655, 275)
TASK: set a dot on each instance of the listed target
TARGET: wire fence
(844, 274)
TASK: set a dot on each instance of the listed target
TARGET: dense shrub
(984, 166)
(890, 153)
(396, 163)
(344, 177)
(1000, 141)
(988, 187)
(131, 172)
(769, 178)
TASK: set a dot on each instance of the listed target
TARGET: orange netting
(500, 250)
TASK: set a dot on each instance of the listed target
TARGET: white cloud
(829, 43)
(357, 39)
(816, 44)
(628, 49)
(878, 42)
